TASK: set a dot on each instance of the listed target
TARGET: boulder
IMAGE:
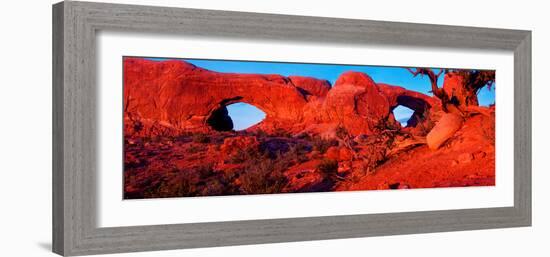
(445, 128)
(355, 103)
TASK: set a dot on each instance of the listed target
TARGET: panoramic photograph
(201, 127)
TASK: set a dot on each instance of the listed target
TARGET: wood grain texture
(522, 128)
(58, 192)
(75, 25)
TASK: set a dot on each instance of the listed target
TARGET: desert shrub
(205, 170)
(184, 137)
(137, 126)
(195, 149)
(202, 180)
(304, 136)
(213, 187)
(303, 146)
(279, 132)
(297, 153)
(328, 167)
(322, 145)
(242, 155)
(362, 168)
(262, 174)
(171, 186)
(342, 132)
(275, 146)
(284, 160)
(374, 149)
(261, 133)
(200, 138)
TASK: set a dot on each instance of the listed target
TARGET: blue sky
(245, 115)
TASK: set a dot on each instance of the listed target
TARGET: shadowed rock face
(172, 97)
(219, 120)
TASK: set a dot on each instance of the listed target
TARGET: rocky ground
(316, 137)
(227, 163)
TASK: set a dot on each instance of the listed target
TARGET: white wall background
(25, 128)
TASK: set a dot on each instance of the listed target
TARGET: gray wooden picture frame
(75, 25)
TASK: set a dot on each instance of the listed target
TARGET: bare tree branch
(439, 73)
(438, 92)
(414, 73)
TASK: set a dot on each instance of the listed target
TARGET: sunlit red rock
(183, 96)
(310, 86)
(173, 97)
(356, 103)
(443, 130)
(469, 160)
(178, 136)
(426, 108)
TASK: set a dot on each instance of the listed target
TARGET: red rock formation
(164, 101)
(355, 103)
(183, 96)
(419, 102)
(310, 86)
(443, 130)
(173, 97)
(467, 160)
(427, 109)
(462, 86)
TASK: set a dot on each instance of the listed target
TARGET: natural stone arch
(182, 97)
(219, 118)
(423, 105)
(418, 105)
(175, 97)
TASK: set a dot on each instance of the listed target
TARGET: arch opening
(235, 116)
(410, 110)
(403, 115)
